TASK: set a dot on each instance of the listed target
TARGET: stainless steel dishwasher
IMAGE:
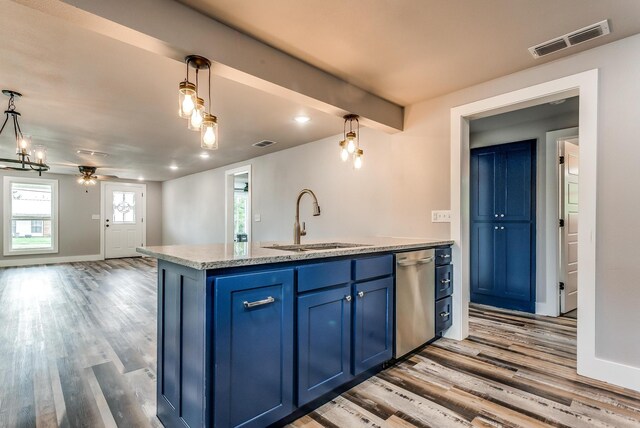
(415, 300)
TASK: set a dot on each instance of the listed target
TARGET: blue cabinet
(254, 350)
(343, 329)
(373, 326)
(324, 341)
(503, 240)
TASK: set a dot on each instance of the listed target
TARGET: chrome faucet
(297, 231)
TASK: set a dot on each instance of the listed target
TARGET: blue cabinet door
(324, 341)
(373, 326)
(516, 182)
(253, 324)
(484, 198)
(485, 280)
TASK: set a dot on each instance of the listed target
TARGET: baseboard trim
(49, 260)
(546, 309)
(609, 371)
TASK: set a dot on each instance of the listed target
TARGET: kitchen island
(250, 334)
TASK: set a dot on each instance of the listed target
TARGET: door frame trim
(103, 185)
(584, 84)
(228, 202)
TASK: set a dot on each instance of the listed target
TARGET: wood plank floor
(77, 349)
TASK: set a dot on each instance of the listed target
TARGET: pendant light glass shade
(186, 99)
(40, 154)
(23, 142)
(344, 154)
(357, 161)
(351, 142)
(209, 132)
(197, 115)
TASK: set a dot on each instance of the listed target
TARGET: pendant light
(191, 104)
(350, 144)
(35, 160)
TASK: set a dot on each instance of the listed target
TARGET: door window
(124, 207)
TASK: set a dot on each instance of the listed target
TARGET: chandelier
(350, 144)
(23, 152)
(191, 105)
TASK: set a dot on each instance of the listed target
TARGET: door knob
(501, 227)
(496, 215)
(501, 215)
(495, 227)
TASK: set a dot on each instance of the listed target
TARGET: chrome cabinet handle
(444, 314)
(425, 260)
(360, 294)
(258, 302)
(347, 298)
(445, 281)
(495, 227)
(445, 256)
(501, 215)
(496, 215)
(501, 227)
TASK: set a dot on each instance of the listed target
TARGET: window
(30, 216)
(124, 207)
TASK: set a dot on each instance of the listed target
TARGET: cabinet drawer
(313, 277)
(443, 256)
(443, 315)
(444, 281)
(372, 267)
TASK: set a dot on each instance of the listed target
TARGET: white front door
(123, 219)
(569, 182)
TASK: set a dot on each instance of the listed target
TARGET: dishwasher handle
(425, 261)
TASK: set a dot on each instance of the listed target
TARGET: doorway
(238, 205)
(123, 211)
(584, 84)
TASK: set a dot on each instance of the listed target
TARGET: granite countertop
(216, 256)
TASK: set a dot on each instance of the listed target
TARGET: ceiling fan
(88, 175)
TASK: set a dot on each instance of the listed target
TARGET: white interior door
(123, 220)
(569, 182)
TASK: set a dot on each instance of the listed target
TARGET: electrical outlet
(256, 217)
(95, 217)
(442, 216)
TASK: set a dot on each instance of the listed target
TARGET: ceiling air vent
(264, 143)
(579, 36)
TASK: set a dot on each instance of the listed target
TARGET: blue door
(502, 250)
(372, 328)
(254, 348)
(324, 341)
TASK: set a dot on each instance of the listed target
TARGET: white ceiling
(412, 50)
(83, 90)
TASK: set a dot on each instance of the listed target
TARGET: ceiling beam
(171, 29)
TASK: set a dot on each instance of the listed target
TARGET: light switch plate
(256, 217)
(95, 217)
(442, 216)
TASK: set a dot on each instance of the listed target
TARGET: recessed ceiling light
(302, 119)
(204, 155)
(173, 167)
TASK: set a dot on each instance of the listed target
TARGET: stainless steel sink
(310, 247)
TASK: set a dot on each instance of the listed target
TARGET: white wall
(353, 203)
(407, 175)
(534, 130)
